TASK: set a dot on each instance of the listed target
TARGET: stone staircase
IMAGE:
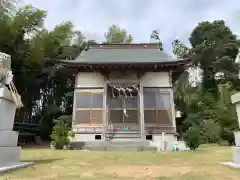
(115, 145)
(121, 135)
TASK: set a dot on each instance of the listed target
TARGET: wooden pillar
(104, 117)
(173, 108)
(74, 102)
(172, 100)
(142, 124)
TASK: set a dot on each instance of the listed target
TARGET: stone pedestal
(235, 149)
(9, 151)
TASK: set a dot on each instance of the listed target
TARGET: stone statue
(9, 101)
(5, 69)
(235, 149)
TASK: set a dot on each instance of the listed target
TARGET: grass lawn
(76, 165)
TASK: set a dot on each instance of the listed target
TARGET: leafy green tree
(180, 50)
(34, 49)
(208, 106)
(214, 49)
(7, 5)
(116, 35)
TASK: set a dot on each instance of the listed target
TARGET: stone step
(118, 142)
(132, 135)
(115, 144)
(128, 148)
(9, 155)
(137, 142)
(125, 148)
(8, 138)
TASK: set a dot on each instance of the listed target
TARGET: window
(157, 106)
(83, 99)
(89, 107)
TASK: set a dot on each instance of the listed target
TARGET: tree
(208, 106)
(155, 35)
(44, 89)
(180, 50)
(116, 35)
(6, 5)
(214, 48)
(78, 38)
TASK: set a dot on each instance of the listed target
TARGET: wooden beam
(105, 110)
(74, 103)
(173, 109)
(142, 124)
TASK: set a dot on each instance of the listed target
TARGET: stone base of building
(114, 145)
(87, 142)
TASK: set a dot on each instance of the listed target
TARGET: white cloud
(139, 17)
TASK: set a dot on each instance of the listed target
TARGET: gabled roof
(123, 54)
(110, 54)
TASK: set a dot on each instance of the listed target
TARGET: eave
(152, 65)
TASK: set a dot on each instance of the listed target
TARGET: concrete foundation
(8, 138)
(236, 154)
(237, 138)
(9, 151)
(114, 145)
(231, 164)
(87, 142)
(9, 155)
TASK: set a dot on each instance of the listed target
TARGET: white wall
(149, 79)
(156, 79)
(89, 79)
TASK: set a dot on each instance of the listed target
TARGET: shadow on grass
(36, 162)
(45, 161)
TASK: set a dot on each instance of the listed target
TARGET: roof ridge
(126, 46)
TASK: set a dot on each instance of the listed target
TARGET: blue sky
(173, 18)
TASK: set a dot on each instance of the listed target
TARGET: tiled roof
(122, 54)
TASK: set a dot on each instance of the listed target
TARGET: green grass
(74, 165)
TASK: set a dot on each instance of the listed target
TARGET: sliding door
(157, 107)
(89, 107)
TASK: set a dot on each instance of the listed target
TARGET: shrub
(60, 133)
(192, 137)
(210, 131)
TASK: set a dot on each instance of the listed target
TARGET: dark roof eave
(177, 62)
